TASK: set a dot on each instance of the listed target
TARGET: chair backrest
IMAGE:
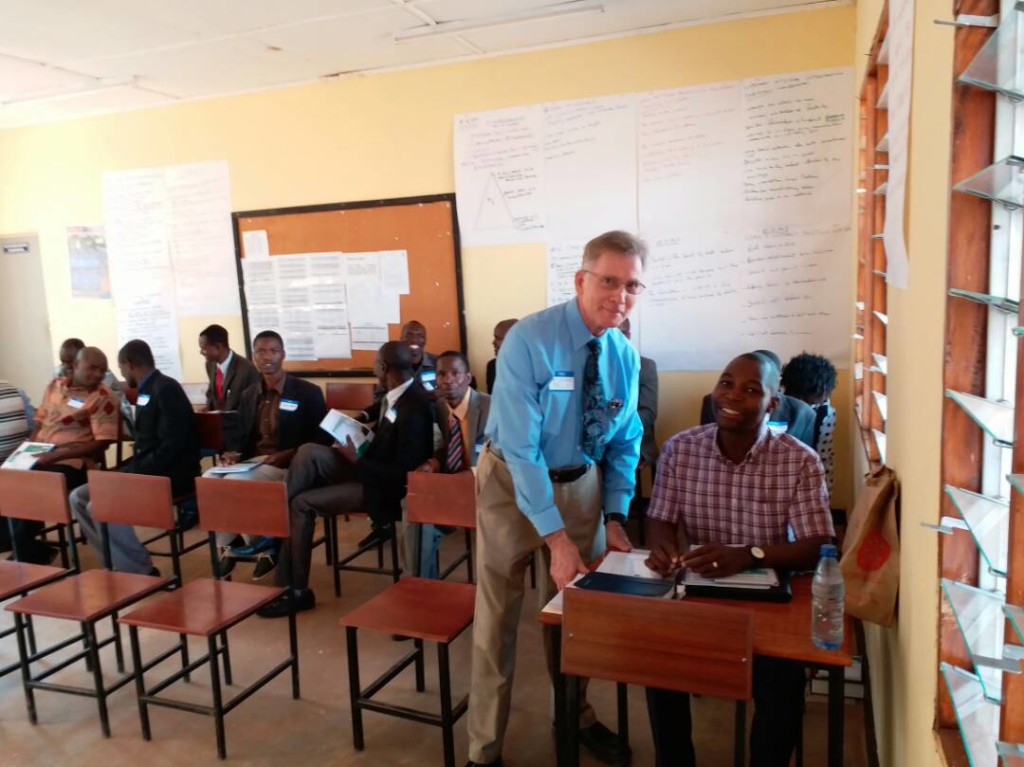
(37, 495)
(251, 508)
(121, 498)
(210, 430)
(441, 499)
(705, 649)
(350, 395)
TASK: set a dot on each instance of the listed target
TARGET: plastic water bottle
(827, 601)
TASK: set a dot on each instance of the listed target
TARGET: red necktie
(219, 383)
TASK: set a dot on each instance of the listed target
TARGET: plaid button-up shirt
(779, 484)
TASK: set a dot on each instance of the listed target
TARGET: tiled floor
(272, 729)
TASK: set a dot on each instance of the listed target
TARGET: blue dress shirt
(537, 426)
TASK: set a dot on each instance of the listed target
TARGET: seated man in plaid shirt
(725, 497)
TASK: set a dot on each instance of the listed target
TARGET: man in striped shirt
(727, 494)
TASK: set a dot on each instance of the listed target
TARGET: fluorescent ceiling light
(39, 97)
(473, 25)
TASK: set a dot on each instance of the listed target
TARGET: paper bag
(871, 560)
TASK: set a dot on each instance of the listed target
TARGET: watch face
(756, 552)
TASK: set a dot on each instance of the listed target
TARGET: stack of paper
(755, 578)
(237, 468)
(26, 454)
(343, 427)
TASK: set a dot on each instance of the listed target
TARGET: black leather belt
(560, 476)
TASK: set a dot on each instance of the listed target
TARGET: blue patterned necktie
(453, 458)
(593, 404)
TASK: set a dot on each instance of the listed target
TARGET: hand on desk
(715, 560)
(566, 563)
(616, 538)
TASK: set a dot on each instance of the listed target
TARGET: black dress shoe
(296, 600)
(604, 745)
(495, 763)
(377, 535)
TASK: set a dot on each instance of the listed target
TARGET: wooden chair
(695, 648)
(41, 496)
(208, 607)
(340, 563)
(210, 432)
(86, 599)
(350, 395)
(135, 499)
(449, 497)
(426, 610)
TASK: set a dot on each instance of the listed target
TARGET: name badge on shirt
(390, 415)
(76, 402)
(778, 427)
(563, 380)
(288, 405)
(142, 401)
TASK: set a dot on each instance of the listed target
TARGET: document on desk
(755, 578)
(629, 564)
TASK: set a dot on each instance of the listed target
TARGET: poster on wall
(87, 261)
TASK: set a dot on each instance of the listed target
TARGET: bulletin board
(426, 228)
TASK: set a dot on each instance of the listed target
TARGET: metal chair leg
(293, 643)
(218, 707)
(421, 683)
(227, 657)
(354, 689)
(97, 677)
(118, 647)
(447, 720)
(26, 677)
(140, 686)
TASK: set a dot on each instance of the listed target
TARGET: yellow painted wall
(390, 135)
(904, 658)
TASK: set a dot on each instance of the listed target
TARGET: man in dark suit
(229, 374)
(796, 414)
(461, 417)
(499, 337)
(165, 445)
(276, 417)
(337, 479)
(647, 403)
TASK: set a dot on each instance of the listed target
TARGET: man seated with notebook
(78, 415)
(724, 497)
(333, 480)
(276, 416)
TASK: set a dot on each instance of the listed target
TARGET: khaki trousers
(505, 538)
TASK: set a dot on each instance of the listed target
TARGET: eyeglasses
(607, 282)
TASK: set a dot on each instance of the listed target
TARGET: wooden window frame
(871, 259)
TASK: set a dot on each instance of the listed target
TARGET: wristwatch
(620, 518)
(757, 554)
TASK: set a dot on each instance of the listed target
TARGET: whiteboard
(742, 189)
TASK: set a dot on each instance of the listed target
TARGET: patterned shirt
(825, 426)
(71, 413)
(779, 484)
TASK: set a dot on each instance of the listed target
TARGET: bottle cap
(829, 550)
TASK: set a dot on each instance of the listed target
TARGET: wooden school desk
(780, 631)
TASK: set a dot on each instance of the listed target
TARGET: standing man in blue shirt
(557, 475)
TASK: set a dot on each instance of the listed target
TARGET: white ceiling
(67, 58)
